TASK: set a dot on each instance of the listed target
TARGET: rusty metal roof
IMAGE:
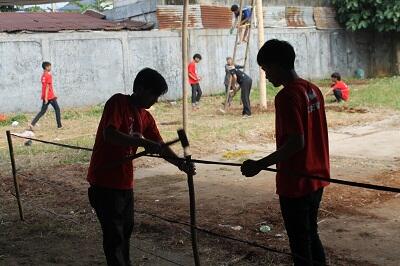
(55, 22)
(299, 17)
(288, 17)
(216, 17)
(29, 2)
(171, 16)
(325, 18)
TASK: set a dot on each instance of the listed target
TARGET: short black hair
(336, 75)
(197, 56)
(277, 52)
(45, 64)
(234, 8)
(150, 79)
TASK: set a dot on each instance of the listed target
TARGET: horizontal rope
(331, 180)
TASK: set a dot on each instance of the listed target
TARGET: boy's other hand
(250, 168)
(152, 147)
(188, 167)
(46, 101)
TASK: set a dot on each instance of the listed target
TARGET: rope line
(331, 180)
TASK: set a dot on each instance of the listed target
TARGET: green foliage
(380, 15)
(99, 5)
(34, 9)
(9, 8)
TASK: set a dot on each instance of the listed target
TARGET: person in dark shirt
(243, 23)
(245, 83)
(228, 76)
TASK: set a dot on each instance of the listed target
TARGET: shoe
(246, 116)
(30, 127)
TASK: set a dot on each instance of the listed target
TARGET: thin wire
(157, 256)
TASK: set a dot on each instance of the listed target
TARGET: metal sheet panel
(299, 17)
(275, 17)
(325, 18)
(216, 17)
(171, 16)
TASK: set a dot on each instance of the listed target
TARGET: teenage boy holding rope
(302, 147)
(125, 125)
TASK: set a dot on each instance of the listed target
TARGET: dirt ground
(357, 226)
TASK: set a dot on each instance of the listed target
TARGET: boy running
(338, 88)
(194, 80)
(48, 96)
(302, 148)
(125, 125)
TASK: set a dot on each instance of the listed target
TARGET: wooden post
(14, 173)
(185, 64)
(261, 80)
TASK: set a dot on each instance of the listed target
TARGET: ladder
(244, 54)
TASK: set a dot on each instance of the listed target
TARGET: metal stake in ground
(192, 198)
(14, 173)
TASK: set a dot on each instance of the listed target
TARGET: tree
(8, 8)
(99, 5)
(380, 15)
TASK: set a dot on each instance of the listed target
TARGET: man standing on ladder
(243, 24)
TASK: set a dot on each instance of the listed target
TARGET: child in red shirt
(338, 88)
(48, 96)
(124, 126)
(194, 80)
(302, 148)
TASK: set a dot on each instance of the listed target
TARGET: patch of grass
(71, 114)
(17, 117)
(378, 93)
(237, 154)
(95, 111)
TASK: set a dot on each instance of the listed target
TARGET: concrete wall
(89, 67)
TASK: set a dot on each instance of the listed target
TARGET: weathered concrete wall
(89, 67)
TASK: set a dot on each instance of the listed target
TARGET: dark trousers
(300, 217)
(245, 87)
(114, 209)
(338, 95)
(196, 93)
(44, 109)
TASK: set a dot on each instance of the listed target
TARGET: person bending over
(124, 126)
(338, 88)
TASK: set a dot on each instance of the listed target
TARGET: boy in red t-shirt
(338, 88)
(194, 80)
(124, 126)
(48, 96)
(302, 148)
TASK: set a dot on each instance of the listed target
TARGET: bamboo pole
(14, 173)
(185, 64)
(261, 80)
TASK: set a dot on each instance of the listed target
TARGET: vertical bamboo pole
(185, 64)
(261, 80)
(14, 173)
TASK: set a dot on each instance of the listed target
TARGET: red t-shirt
(300, 110)
(119, 113)
(340, 85)
(47, 79)
(193, 71)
